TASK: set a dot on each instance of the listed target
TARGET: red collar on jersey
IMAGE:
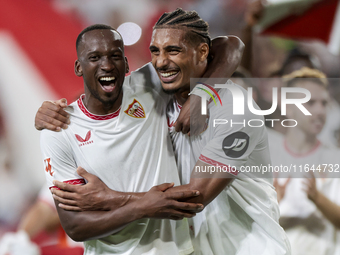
(93, 116)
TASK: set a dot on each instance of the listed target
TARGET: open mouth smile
(107, 83)
(169, 76)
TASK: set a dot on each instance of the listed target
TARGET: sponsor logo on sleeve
(236, 144)
(48, 167)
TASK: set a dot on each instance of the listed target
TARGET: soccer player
(308, 230)
(86, 65)
(243, 218)
(126, 147)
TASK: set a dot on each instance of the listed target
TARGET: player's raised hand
(93, 196)
(280, 188)
(158, 204)
(51, 115)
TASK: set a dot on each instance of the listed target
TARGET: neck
(182, 96)
(101, 107)
(299, 142)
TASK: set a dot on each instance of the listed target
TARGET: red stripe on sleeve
(212, 162)
(73, 182)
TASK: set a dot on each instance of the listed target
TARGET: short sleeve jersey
(242, 219)
(130, 151)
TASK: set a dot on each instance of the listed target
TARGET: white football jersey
(308, 230)
(242, 219)
(130, 151)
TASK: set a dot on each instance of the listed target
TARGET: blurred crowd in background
(38, 51)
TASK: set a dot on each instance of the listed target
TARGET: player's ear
(77, 68)
(127, 68)
(203, 50)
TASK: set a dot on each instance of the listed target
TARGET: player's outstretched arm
(51, 115)
(95, 195)
(226, 54)
(87, 225)
(92, 196)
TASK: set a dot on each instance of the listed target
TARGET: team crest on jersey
(135, 110)
(86, 140)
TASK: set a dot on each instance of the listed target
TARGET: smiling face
(176, 60)
(102, 64)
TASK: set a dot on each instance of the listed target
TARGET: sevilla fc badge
(135, 110)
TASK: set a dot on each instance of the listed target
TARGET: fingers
(61, 102)
(286, 182)
(64, 201)
(59, 194)
(188, 207)
(164, 186)
(180, 215)
(186, 127)
(52, 106)
(51, 116)
(178, 126)
(70, 208)
(183, 194)
(275, 183)
(65, 186)
(83, 173)
(311, 174)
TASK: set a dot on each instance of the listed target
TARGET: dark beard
(170, 91)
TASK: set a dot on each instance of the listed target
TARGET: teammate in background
(308, 230)
(243, 215)
(93, 48)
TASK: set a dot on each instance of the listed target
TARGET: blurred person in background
(308, 230)
(12, 200)
(39, 232)
(295, 60)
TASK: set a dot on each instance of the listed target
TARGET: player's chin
(170, 88)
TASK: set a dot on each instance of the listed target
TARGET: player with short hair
(107, 140)
(243, 218)
(85, 114)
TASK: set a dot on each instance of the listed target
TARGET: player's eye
(93, 57)
(154, 52)
(117, 56)
(174, 51)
